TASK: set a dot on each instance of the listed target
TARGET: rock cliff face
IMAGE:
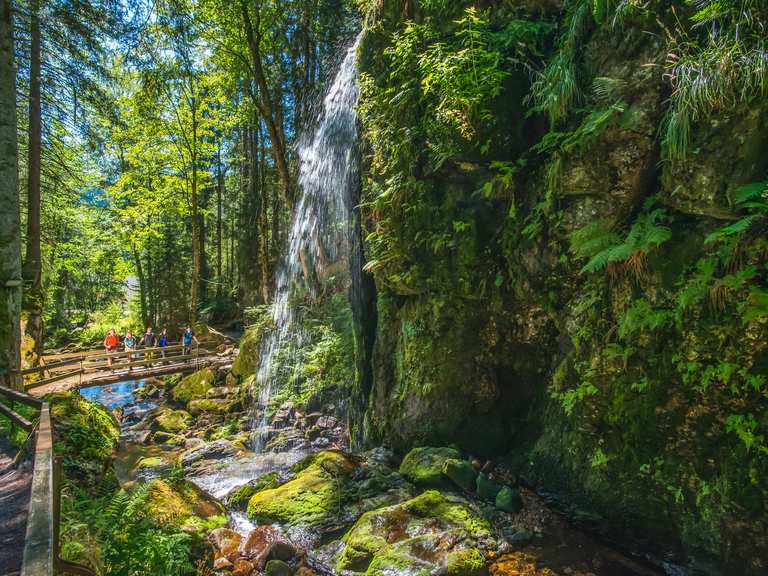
(555, 282)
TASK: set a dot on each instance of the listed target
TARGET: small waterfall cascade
(318, 243)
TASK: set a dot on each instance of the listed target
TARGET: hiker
(129, 343)
(162, 341)
(148, 340)
(111, 342)
(186, 340)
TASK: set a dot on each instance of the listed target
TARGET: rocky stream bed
(306, 505)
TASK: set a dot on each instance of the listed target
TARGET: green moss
(193, 387)
(215, 405)
(239, 498)
(461, 473)
(469, 562)
(181, 504)
(312, 498)
(150, 462)
(424, 466)
(173, 421)
(382, 539)
(86, 435)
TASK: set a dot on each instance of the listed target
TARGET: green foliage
(605, 249)
(559, 87)
(117, 535)
(642, 317)
(751, 199)
(717, 60)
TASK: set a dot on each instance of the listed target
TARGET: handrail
(41, 545)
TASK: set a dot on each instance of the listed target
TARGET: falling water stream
(318, 244)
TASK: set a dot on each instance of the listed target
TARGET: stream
(555, 549)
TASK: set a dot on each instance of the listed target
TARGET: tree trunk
(264, 225)
(10, 224)
(32, 271)
(142, 286)
(196, 260)
(263, 100)
(219, 200)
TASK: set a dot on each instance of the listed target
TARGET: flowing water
(318, 243)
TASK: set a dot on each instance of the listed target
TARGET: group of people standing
(148, 340)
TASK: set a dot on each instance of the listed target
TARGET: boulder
(461, 473)
(509, 500)
(487, 489)
(169, 420)
(427, 533)
(193, 387)
(181, 504)
(310, 499)
(424, 466)
(216, 405)
(238, 497)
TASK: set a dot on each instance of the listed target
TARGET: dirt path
(14, 498)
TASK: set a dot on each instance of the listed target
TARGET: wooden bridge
(33, 500)
(95, 367)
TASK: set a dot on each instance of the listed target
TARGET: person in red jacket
(111, 341)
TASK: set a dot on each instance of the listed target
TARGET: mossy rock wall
(634, 389)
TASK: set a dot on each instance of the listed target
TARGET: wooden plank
(47, 367)
(17, 396)
(107, 378)
(100, 354)
(52, 379)
(16, 417)
(39, 548)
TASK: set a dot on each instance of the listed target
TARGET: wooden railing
(41, 544)
(92, 361)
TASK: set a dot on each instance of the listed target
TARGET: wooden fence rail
(41, 544)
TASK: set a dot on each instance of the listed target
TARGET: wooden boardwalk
(15, 482)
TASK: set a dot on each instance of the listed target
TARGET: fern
(604, 248)
(752, 198)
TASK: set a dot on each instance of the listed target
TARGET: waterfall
(318, 243)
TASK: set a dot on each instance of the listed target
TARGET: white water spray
(318, 244)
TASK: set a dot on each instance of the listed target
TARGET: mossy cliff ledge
(567, 246)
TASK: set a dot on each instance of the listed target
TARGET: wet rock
(327, 422)
(424, 466)
(207, 456)
(277, 568)
(313, 433)
(461, 473)
(223, 538)
(142, 437)
(257, 544)
(238, 497)
(509, 500)
(382, 456)
(281, 550)
(487, 489)
(321, 443)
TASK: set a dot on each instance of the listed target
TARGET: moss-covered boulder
(461, 473)
(310, 499)
(487, 489)
(182, 505)
(424, 466)
(248, 352)
(238, 497)
(169, 420)
(194, 387)
(428, 532)
(216, 405)
(85, 435)
(509, 500)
